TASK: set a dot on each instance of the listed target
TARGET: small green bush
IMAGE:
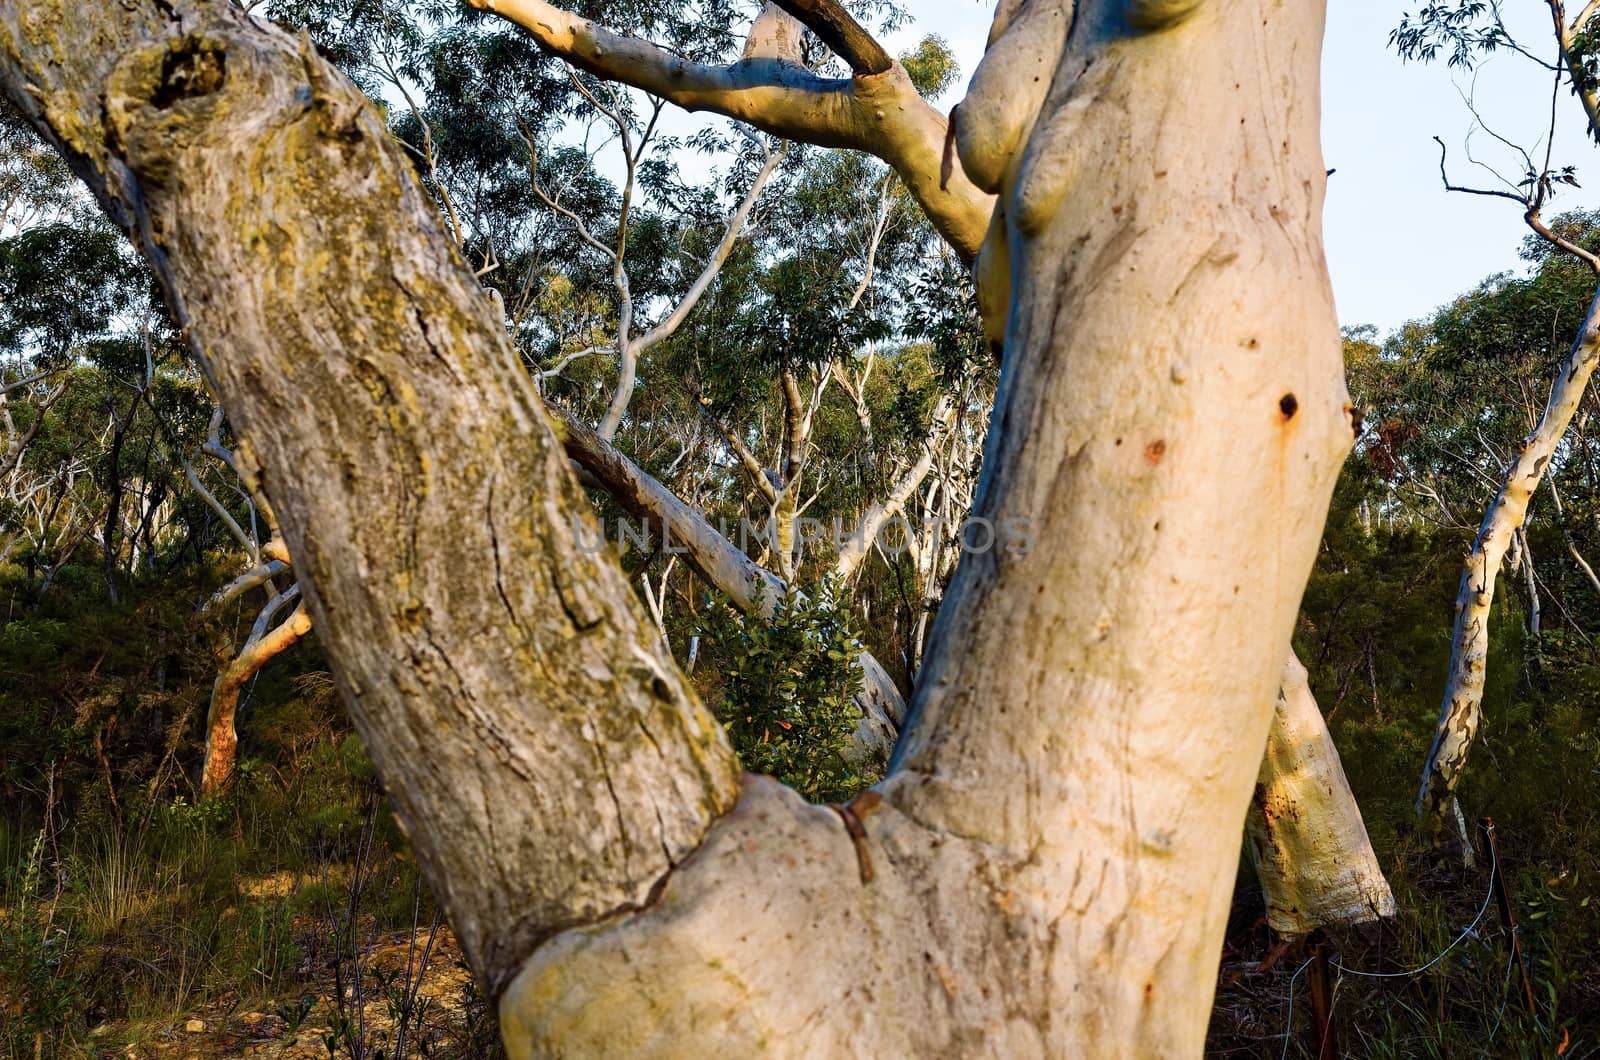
(788, 690)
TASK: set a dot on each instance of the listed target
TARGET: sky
(1398, 244)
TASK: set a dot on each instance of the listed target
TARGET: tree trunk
(1462, 709)
(549, 762)
(222, 741)
(1048, 871)
(1305, 832)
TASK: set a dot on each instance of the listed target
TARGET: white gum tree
(770, 91)
(1046, 871)
(1502, 530)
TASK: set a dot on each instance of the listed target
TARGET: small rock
(195, 1026)
(252, 1017)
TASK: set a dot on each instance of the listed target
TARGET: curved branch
(250, 579)
(222, 740)
(880, 113)
(843, 35)
(719, 257)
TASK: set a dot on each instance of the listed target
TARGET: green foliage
(931, 65)
(788, 690)
(38, 994)
(1464, 31)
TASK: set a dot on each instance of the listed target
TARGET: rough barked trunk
(548, 760)
(1048, 871)
(1461, 712)
(1304, 829)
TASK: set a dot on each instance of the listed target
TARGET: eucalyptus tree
(1047, 869)
(1464, 32)
(76, 348)
(467, 131)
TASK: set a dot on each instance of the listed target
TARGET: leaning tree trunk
(1048, 871)
(265, 643)
(1462, 710)
(1304, 829)
(551, 764)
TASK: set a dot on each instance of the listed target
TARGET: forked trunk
(222, 740)
(1047, 871)
(1305, 833)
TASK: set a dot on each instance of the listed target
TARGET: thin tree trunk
(222, 741)
(1461, 712)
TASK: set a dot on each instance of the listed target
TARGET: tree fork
(1052, 860)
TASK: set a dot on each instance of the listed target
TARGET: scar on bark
(851, 814)
(192, 67)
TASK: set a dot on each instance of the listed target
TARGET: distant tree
(1464, 33)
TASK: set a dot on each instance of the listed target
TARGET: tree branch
(843, 35)
(783, 99)
(875, 518)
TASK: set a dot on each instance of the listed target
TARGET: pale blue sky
(1398, 244)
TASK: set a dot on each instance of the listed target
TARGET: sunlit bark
(1461, 712)
(1047, 872)
(1304, 830)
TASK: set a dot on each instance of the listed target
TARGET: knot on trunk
(192, 67)
(158, 96)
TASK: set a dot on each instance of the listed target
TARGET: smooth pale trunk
(1461, 712)
(1047, 871)
(959, 211)
(1304, 830)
